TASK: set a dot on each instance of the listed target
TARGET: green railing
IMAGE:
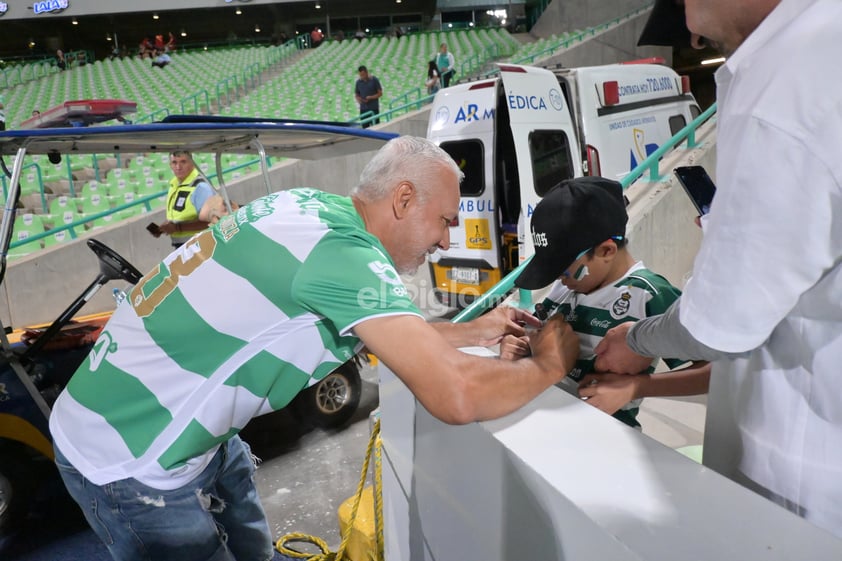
(224, 88)
(152, 117)
(652, 162)
(386, 116)
(499, 291)
(251, 74)
(195, 99)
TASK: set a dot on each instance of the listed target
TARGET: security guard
(187, 194)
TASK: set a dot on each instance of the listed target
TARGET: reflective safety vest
(179, 206)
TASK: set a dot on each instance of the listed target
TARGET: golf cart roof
(307, 140)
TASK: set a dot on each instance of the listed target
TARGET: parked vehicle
(520, 133)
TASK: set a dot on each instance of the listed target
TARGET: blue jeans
(216, 517)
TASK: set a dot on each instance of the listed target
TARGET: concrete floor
(306, 472)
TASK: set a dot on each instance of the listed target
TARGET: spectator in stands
(145, 48)
(170, 46)
(368, 92)
(432, 82)
(61, 62)
(187, 194)
(316, 37)
(36, 113)
(242, 319)
(445, 63)
(161, 59)
(359, 35)
(159, 42)
(772, 328)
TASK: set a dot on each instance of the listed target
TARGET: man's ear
(403, 196)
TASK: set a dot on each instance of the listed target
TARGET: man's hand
(614, 355)
(513, 348)
(168, 228)
(555, 347)
(502, 320)
(609, 392)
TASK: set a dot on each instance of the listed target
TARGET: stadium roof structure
(96, 29)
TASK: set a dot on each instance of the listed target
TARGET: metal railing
(195, 99)
(145, 200)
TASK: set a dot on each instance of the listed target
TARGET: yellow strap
(326, 554)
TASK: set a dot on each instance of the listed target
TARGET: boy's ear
(607, 249)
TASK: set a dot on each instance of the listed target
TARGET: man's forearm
(664, 336)
(190, 226)
(457, 334)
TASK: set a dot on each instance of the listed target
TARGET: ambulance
(518, 134)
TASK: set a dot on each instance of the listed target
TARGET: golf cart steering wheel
(112, 265)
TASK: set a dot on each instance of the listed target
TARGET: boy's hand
(609, 392)
(556, 346)
(513, 348)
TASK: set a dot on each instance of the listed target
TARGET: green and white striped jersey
(231, 325)
(640, 293)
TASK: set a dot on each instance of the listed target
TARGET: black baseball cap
(574, 216)
(666, 26)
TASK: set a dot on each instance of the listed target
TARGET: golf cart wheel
(332, 401)
(15, 490)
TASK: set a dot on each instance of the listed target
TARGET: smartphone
(153, 229)
(698, 185)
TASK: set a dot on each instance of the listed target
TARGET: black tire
(332, 401)
(15, 489)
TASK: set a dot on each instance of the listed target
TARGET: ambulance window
(677, 122)
(469, 155)
(551, 164)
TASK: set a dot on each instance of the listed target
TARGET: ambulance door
(462, 124)
(544, 139)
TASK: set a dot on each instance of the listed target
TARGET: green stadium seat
(57, 238)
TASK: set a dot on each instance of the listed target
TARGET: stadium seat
(56, 238)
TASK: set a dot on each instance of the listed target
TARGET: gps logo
(442, 115)
(556, 99)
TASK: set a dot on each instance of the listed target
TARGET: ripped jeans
(216, 517)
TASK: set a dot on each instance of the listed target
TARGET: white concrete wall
(661, 229)
(558, 479)
(615, 45)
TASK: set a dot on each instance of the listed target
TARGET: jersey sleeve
(662, 295)
(348, 280)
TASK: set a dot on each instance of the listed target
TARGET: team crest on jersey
(621, 305)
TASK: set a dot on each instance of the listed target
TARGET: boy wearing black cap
(578, 230)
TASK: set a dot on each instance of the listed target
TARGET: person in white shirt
(765, 300)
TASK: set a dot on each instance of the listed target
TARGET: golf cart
(36, 367)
